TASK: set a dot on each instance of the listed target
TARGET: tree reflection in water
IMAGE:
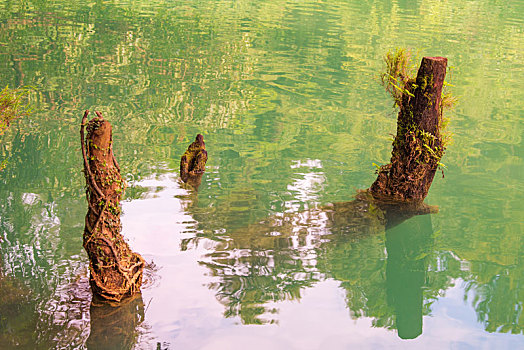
(274, 260)
(17, 315)
(71, 319)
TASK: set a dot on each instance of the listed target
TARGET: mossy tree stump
(115, 270)
(418, 145)
(193, 161)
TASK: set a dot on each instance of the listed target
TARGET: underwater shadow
(115, 326)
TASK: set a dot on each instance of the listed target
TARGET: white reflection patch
(309, 187)
(308, 163)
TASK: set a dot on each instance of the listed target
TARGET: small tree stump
(115, 270)
(418, 146)
(193, 162)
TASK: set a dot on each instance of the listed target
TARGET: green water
(288, 98)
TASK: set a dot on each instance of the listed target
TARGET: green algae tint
(267, 253)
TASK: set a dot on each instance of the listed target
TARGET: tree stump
(418, 146)
(115, 270)
(193, 162)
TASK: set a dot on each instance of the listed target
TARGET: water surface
(288, 98)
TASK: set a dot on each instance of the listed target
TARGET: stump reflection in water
(115, 326)
(277, 259)
(408, 246)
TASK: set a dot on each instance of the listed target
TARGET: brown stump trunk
(193, 162)
(115, 270)
(418, 146)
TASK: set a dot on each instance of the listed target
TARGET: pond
(288, 97)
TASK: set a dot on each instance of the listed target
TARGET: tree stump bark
(418, 145)
(193, 162)
(115, 270)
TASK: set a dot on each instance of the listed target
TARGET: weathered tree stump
(115, 270)
(193, 162)
(418, 146)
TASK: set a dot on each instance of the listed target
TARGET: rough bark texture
(193, 162)
(115, 270)
(418, 147)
